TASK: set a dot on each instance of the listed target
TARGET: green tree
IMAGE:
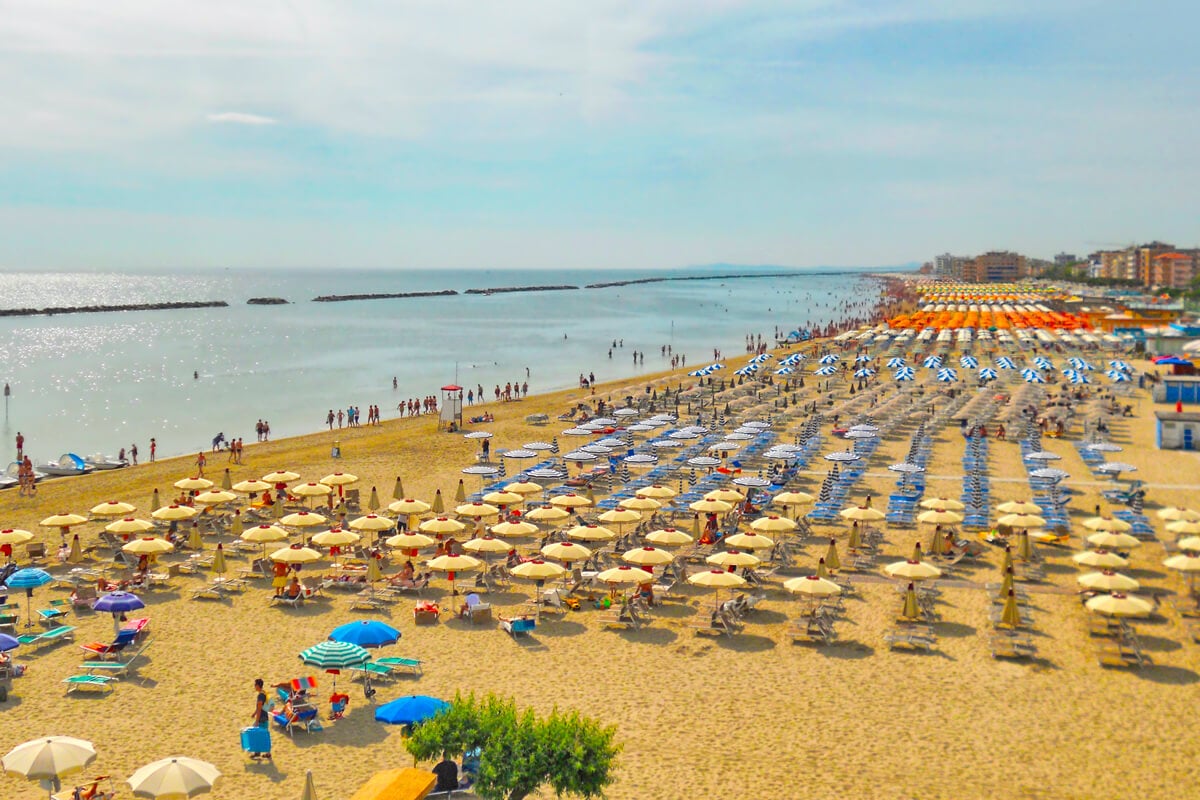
(518, 752)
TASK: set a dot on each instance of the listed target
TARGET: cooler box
(256, 740)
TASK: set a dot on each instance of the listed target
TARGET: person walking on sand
(200, 462)
(20, 445)
(260, 716)
(153, 449)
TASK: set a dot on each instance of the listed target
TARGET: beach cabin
(1177, 430)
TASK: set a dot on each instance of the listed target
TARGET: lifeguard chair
(450, 415)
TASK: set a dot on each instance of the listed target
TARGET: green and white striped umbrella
(335, 655)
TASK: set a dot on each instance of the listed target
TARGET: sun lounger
(720, 623)
(109, 651)
(1006, 646)
(373, 670)
(518, 626)
(812, 630)
(116, 668)
(56, 611)
(413, 665)
(371, 600)
(38, 640)
(76, 683)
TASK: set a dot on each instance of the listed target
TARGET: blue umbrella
(896, 363)
(823, 371)
(1041, 362)
(749, 369)
(933, 362)
(828, 359)
(904, 374)
(1120, 365)
(1004, 362)
(946, 375)
(117, 603)
(410, 710)
(784, 371)
(865, 372)
(1117, 376)
(862, 359)
(28, 579)
(8, 643)
(988, 374)
(1079, 363)
(969, 362)
(365, 633)
(715, 365)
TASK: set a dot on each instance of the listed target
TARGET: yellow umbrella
(669, 537)
(75, 555)
(939, 516)
(640, 504)
(812, 586)
(335, 537)
(214, 497)
(296, 554)
(303, 519)
(749, 541)
(948, 503)
(441, 525)
(515, 529)
(570, 500)
(1116, 541)
(655, 492)
(725, 495)
(477, 509)
(410, 540)
(911, 609)
(912, 570)
(854, 541)
(547, 514)
(788, 499)
(503, 498)
(523, 488)
(1017, 521)
(538, 570)
(487, 545)
(63, 520)
(373, 504)
(1183, 562)
(154, 504)
(1189, 543)
(408, 506)
(591, 533)
(374, 573)
(710, 507)
(237, 526)
(831, 556)
(174, 513)
(226, 480)
(621, 517)
(625, 575)
(1010, 614)
(716, 579)
(339, 479)
(772, 524)
(1101, 559)
(150, 545)
(437, 507)
(398, 489)
(647, 557)
(280, 476)
(194, 540)
(14, 536)
(250, 487)
(1178, 514)
(861, 514)
(312, 490)
(452, 563)
(113, 508)
(1108, 581)
(733, 558)
(1106, 524)
(1019, 507)
(372, 522)
(1006, 582)
(263, 534)
(193, 483)
(460, 494)
(1184, 527)
(566, 551)
(1119, 605)
(218, 565)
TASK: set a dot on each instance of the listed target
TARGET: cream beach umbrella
(237, 527)
(832, 561)
(280, 476)
(725, 495)
(912, 570)
(113, 508)
(410, 541)
(486, 546)
(372, 523)
(63, 521)
(1110, 524)
(647, 557)
(454, 564)
(218, 563)
(524, 488)
(669, 537)
(1174, 514)
(1108, 581)
(548, 514)
(939, 516)
(477, 509)
(861, 514)
(948, 503)
(398, 489)
(749, 541)
(438, 506)
(591, 533)
(1024, 546)
(1187, 563)
(772, 524)
(791, 500)
(226, 480)
(440, 525)
(1184, 527)
(251, 487)
(1100, 559)
(538, 570)
(409, 506)
(49, 758)
(1118, 604)
(214, 497)
(174, 513)
(193, 484)
(262, 534)
(504, 498)
(854, 539)
(310, 787)
(1006, 581)
(150, 545)
(515, 530)
(812, 586)
(175, 778)
(296, 554)
(336, 537)
(373, 503)
(75, 554)
(154, 503)
(624, 575)
(566, 551)
(711, 506)
(460, 493)
(1010, 613)
(1018, 521)
(733, 558)
(911, 610)
(1114, 541)
(311, 490)
(717, 579)
(621, 518)
(641, 504)
(1019, 507)
(303, 519)
(15, 536)
(655, 492)
(1189, 544)
(570, 500)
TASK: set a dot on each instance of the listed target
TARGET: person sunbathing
(91, 791)
(294, 590)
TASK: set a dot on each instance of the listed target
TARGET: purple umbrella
(8, 643)
(117, 603)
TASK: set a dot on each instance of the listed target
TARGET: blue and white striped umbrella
(968, 362)
(641, 458)
(761, 358)
(683, 433)
(794, 358)
(1004, 362)
(749, 369)
(828, 359)
(896, 363)
(1041, 362)
(1029, 372)
(1120, 365)
(1075, 376)
(784, 371)
(823, 371)
(988, 374)
(1117, 376)
(946, 375)
(862, 358)
(699, 373)
(715, 366)
(904, 374)
(1080, 364)
(932, 362)
(1033, 377)
(863, 373)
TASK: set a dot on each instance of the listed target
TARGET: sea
(90, 383)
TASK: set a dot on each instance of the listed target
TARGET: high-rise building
(1143, 261)
(1174, 269)
(1065, 259)
(995, 266)
(949, 266)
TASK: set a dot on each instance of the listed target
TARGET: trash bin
(337, 450)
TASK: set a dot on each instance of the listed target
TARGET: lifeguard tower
(450, 416)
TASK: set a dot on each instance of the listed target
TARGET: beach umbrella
(49, 758)
(832, 560)
(373, 523)
(812, 586)
(410, 710)
(1053, 473)
(1115, 541)
(641, 459)
(311, 490)
(726, 495)
(1118, 604)
(218, 564)
(519, 453)
(453, 564)
(437, 507)
(296, 554)
(113, 508)
(1010, 614)
(1030, 376)
(193, 484)
(932, 362)
(1042, 455)
(174, 778)
(14, 536)
(1019, 507)
(792, 499)
(948, 503)
(28, 579)
(441, 525)
(150, 545)
(749, 541)
(1179, 514)
(624, 575)
(640, 503)
(1021, 521)
(1004, 362)
(486, 545)
(477, 509)
(250, 487)
(621, 517)
(570, 500)
(988, 374)
(904, 374)
(843, 456)
(8, 643)
(1080, 364)
(546, 473)
(118, 603)
(785, 371)
(939, 516)
(335, 655)
(1100, 559)
(733, 558)
(828, 359)
(669, 537)
(912, 570)
(263, 534)
(1189, 544)
(772, 524)
(174, 513)
(591, 533)
(1117, 376)
(303, 519)
(1183, 562)
(63, 521)
(704, 461)
(550, 514)
(365, 633)
(335, 537)
(214, 497)
(1115, 468)
(1108, 581)
(647, 557)
(154, 503)
(716, 579)
(825, 371)
(1041, 362)
(280, 476)
(968, 362)
(515, 529)
(1120, 365)
(538, 570)
(478, 435)
(1184, 527)
(523, 488)
(751, 482)
(946, 375)
(566, 551)
(861, 514)
(1106, 524)
(896, 363)
(503, 498)
(865, 372)
(711, 506)
(410, 540)
(408, 506)
(911, 608)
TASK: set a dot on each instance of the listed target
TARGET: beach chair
(720, 623)
(1015, 647)
(84, 596)
(518, 626)
(415, 585)
(812, 630)
(413, 665)
(140, 626)
(108, 651)
(76, 683)
(371, 600)
(116, 669)
(291, 602)
(53, 636)
(57, 610)
(373, 670)
(35, 551)
(475, 610)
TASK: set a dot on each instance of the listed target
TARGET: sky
(599, 134)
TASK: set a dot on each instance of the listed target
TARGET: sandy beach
(752, 715)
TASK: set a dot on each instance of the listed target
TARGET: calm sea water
(88, 383)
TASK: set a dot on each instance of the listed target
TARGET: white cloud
(241, 118)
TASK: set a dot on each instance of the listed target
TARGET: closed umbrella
(911, 610)
(398, 489)
(832, 561)
(437, 506)
(1010, 614)
(373, 504)
(218, 565)
(175, 778)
